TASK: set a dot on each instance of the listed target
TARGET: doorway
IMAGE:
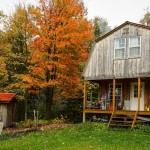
(134, 96)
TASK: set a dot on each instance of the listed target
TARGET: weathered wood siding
(102, 65)
(10, 113)
(3, 113)
(7, 113)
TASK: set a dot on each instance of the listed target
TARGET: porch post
(114, 93)
(84, 101)
(139, 92)
(99, 98)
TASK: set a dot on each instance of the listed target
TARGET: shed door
(134, 96)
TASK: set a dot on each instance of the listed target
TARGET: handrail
(134, 120)
(111, 118)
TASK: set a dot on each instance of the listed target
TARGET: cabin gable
(103, 64)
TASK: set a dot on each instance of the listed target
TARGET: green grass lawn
(89, 136)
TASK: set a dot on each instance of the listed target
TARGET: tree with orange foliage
(62, 35)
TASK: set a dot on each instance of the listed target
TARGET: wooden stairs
(125, 119)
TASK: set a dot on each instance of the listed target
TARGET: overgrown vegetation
(42, 51)
(88, 136)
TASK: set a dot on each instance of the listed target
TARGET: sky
(115, 11)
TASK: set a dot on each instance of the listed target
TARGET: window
(135, 91)
(134, 46)
(118, 94)
(135, 94)
(120, 48)
(118, 91)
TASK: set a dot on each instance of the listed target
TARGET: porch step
(122, 120)
(122, 117)
(140, 121)
(118, 116)
(126, 119)
(123, 125)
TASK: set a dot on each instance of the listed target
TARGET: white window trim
(132, 47)
(115, 87)
(135, 83)
(115, 49)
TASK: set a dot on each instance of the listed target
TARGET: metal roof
(6, 97)
(122, 25)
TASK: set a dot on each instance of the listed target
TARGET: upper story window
(134, 46)
(120, 45)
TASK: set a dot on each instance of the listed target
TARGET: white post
(84, 117)
(37, 118)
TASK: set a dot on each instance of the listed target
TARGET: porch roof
(99, 78)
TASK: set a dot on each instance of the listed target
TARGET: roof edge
(117, 28)
(6, 101)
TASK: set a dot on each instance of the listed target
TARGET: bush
(142, 128)
(60, 120)
(43, 122)
(99, 126)
(72, 109)
(5, 136)
(25, 124)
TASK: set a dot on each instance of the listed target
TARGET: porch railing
(103, 104)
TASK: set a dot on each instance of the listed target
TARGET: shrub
(5, 136)
(142, 128)
(25, 124)
(99, 126)
(60, 120)
(43, 122)
(70, 108)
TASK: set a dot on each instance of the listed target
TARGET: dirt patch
(54, 126)
(14, 131)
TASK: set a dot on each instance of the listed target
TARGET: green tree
(3, 70)
(3, 73)
(17, 40)
(100, 26)
(1, 16)
(146, 18)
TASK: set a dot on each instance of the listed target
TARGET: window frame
(119, 48)
(116, 95)
(115, 89)
(137, 56)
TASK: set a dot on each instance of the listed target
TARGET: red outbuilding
(7, 108)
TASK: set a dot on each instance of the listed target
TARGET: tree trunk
(49, 101)
(50, 75)
(26, 106)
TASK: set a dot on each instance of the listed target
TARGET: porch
(119, 96)
(125, 112)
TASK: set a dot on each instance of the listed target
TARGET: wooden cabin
(120, 64)
(7, 108)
